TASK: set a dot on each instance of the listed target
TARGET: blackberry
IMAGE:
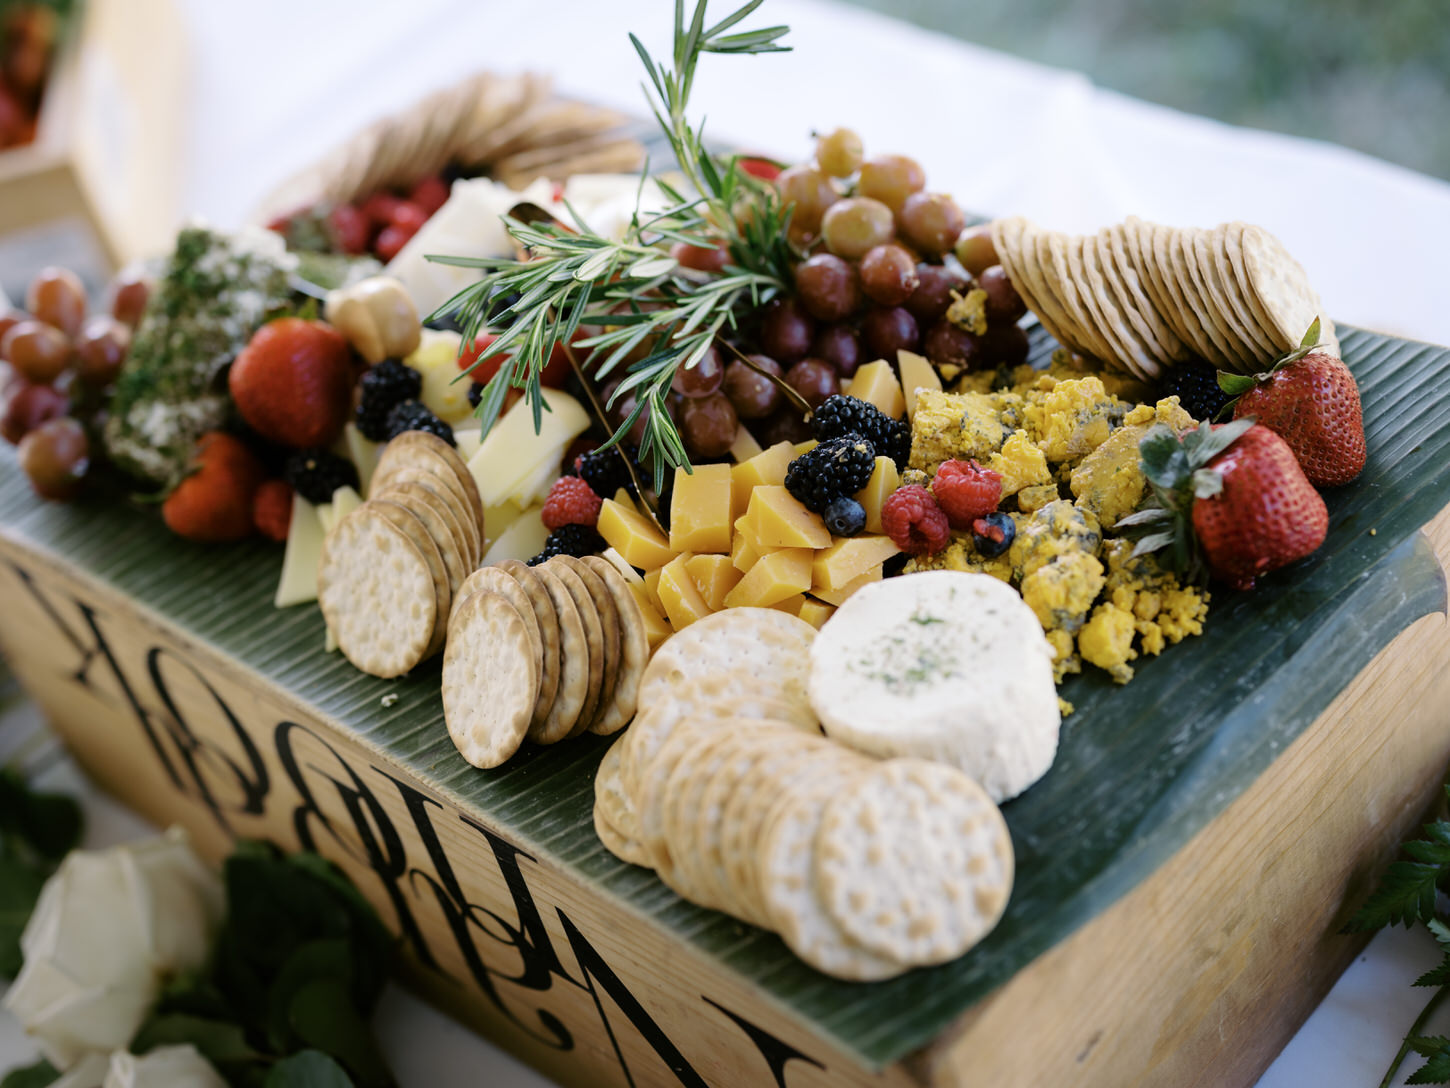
(475, 394)
(384, 387)
(841, 415)
(606, 472)
(838, 466)
(411, 415)
(575, 540)
(845, 516)
(316, 473)
(1195, 382)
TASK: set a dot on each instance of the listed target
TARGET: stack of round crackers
(725, 787)
(390, 569)
(541, 653)
(1145, 296)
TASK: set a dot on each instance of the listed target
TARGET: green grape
(891, 179)
(810, 193)
(838, 153)
(857, 224)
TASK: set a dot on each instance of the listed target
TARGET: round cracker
(1280, 284)
(419, 448)
(1138, 243)
(548, 622)
(774, 645)
(1140, 300)
(617, 843)
(444, 510)
(417, 532)
(1229, 322)
(1245, 321)
(376, 593)
(1021, 268)
(593, 639)
(490, 680)
(574, 665)
(421, 505)
(633, 649)
(1188, 316)
(683, 814)
(448, 491)
(610, 793)
(493, 580)
(610, 649)
(914, 862)
(1190, 278)
(1119, 304)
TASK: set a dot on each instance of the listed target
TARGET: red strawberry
(272, 509)
(293, 382)
(1310, 400)
(214, 503)
(1233, 494)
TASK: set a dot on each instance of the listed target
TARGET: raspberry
(966, 491)
(571, 501)
(272, 509)
(914, 522)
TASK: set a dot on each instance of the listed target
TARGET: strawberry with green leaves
(1231, 497)
(1309, 399)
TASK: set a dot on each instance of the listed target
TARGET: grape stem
(791, 394)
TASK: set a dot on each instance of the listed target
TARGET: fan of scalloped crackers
(511, 128)
(1145, 296)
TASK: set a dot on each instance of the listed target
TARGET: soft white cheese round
(941, 665)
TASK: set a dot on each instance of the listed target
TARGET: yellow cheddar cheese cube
(876, 382)
(838, 596)
(700, 510)
(917, 372)
(714, 577)
(766, 468)
(745, 446)
(803, 448)
(633, 536)
(885, 479)
(815, 612)
(679, 596)
(793, 605)
(651, 582)
(777, 519)
(656, 627)
(743, 552)
(848, 558)
(774, 577)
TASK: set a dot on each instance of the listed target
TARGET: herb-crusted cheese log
(945, 666)
(215, 292)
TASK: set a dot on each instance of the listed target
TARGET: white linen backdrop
(276, 82)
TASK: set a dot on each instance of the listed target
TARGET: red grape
(26, 406)
(130, 292)
(754, 395)
(815, 380)
(1004, 345)
(700, 258)
(39, 351)
(55, 456)
(810, 192)
(351, 228)
(785, 330)
(787, 425)
(702, 379)
(945, 343)
(888, 275)
(888, 330)
(933, 294)
(9, 319)
(58, 298)
(931, 221)
(1003, 301)
(891, 179)
(100, 351)
(840, 346)
(708, 425)
(826, 286)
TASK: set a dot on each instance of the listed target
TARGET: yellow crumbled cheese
(1059, 528)
(1062, 591)
(1020, 464)
(962, 555)
(1109, 482)
(1064, 660)
(1032, 499)
(959, 426)
(1073, 419)
(1106, 641)
(1164, 611)
(969, 311)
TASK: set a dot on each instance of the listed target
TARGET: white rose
(108, 929)
(165, 1067)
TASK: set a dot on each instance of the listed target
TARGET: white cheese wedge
(299, 563)
(497, 519)
(325, 517)
(617, 562)
(534, 490)
(942, 665)
(521, 540)
(468, 439)
(445, 387)
(916, 373)
(363, 453)
(512, 454)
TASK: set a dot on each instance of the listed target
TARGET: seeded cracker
(376, 594)
(490, 680)
(914, 862)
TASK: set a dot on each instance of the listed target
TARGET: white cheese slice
(523, 539)
(512, 453)
(535, 489)
(299, 563)
(363, 453)
(325, 518)
(917, 373)
(618, 563)
(941, 665)
(445, 387)
(497, 519)
(468, 439)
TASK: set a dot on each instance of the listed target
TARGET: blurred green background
(1369, 74)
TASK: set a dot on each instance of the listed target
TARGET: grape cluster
(56, 367)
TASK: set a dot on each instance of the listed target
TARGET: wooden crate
(108, 144)
(1189, 961)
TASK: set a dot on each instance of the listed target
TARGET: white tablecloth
(276, 82)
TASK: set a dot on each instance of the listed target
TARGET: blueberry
(845, 516)
(993, 534)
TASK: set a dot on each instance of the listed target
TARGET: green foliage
(1436, 1052)
(299, 965)
(36, 831)
(31, 1076)
(572, 277)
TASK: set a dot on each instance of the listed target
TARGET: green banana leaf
(1140, 770)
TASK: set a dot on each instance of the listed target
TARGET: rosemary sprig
(629, 294)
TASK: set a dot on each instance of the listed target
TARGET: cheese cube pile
(738, 539)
